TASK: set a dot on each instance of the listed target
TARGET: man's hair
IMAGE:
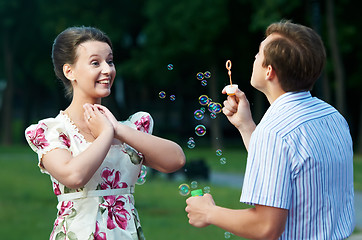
(298, 56)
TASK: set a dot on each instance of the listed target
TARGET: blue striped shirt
(301, 158)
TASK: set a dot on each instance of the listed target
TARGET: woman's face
(94, 70)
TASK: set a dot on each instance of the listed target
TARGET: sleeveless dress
(104, 208)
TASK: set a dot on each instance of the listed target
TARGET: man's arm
(261, 222)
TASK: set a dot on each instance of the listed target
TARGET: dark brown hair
(298, 56)
(65, 48)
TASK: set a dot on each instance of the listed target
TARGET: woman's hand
(97, 121)
(108, 114)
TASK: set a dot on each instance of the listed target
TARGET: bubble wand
(230, 89)
(228, 67)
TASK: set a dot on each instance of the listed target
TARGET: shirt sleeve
(142, 121)
(46, 135)
(267, 178)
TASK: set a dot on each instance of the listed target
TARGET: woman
(94, 160)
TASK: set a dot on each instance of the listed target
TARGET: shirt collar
(285, 98)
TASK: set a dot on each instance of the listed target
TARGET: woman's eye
(110, 62)
(95, 63)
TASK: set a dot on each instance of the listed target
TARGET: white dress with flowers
(104, 208)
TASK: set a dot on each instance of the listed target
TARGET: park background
(192, 35)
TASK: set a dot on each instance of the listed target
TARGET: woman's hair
(298, 56)
(64, 49)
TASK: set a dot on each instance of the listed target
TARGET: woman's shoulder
(142, 121)
(40, 133)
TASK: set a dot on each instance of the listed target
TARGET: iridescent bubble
(214, 107)
(200, 130)
(199, 114)
(143, 171)
(200, 76)
(172, 97)
(204, 100)
(218, 152)
(184, 189)
(142, 175)
(170, 67)
(222, 160)
(213, 115)
(162, 94)
(191, 143)
(204, 83)
(227, 235)
(141, 181)
(194, 184)
(207, 74)
(207, 189)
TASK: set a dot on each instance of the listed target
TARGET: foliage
(147, 35)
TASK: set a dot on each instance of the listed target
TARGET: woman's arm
(159, 153)
(75, 172)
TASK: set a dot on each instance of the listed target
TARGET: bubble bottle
(197, 192)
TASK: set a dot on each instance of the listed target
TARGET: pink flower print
(56, 189)
(111, 179)
(99, 235)
(117, 215)
(37, 136)
(65, 208)
(64, 138)
(143, 124)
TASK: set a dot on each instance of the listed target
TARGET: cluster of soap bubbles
(202, 77)
(162, 95)
(142, 176)
(185, 189)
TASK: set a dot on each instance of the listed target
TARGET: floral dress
(104, 208)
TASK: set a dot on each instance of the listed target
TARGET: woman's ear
(68, 72)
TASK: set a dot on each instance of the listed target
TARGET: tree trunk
(6, 116)
(336, 59)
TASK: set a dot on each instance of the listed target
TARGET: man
(299, 173)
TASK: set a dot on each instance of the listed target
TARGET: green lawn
(28, 206)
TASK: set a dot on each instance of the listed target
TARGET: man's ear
(270, 73)
(68, 72)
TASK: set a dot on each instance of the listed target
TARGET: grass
(28, 205)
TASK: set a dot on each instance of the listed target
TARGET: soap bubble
(203, 83)
(203, 109)
(207, 189)
(200, 130)
(191, 143)
(200, 76)
(204, 100)
(170, 67)
(141, 181)
(214, 107)
(142, 175)
(199, 114)
(172, 97)
(227, 235)
(184, 189)
(143, 171)
(213, 115)
(207, 74)
(162, 94)
(194, 184)
(222, 160)
(218, 152)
